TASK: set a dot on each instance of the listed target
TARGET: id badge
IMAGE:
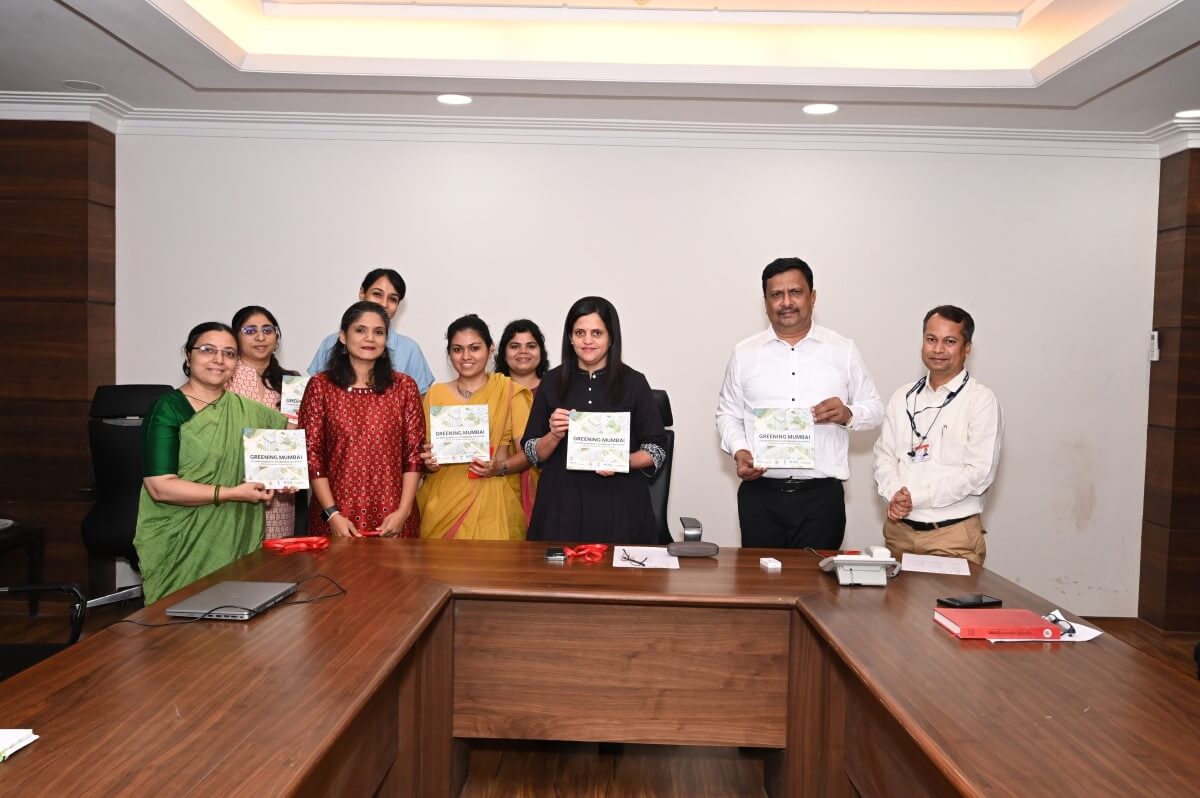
(921, 453)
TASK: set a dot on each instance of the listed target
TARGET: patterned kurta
(363, 443)
(281, 512)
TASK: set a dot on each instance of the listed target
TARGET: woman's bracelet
(216, 495)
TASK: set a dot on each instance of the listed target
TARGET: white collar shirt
(964, 439)
(766, 371)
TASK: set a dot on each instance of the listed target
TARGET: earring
(187, 370)
(344, 350)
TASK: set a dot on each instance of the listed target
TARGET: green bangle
(216, 495)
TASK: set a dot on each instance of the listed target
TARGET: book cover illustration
(598, 442)
(459, 433)
(292, 393)
(278, 458)
(783, 438)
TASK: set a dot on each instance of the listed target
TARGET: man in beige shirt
(939, 447)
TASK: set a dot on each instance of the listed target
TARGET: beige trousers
(964, 539)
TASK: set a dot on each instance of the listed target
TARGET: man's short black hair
(956, 315)
(781, 265)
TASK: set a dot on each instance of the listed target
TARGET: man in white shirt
(939, 447)
(795, 363)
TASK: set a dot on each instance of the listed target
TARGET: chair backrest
(115, 435)
(660, 483)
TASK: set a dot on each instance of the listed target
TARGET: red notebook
(996, 623)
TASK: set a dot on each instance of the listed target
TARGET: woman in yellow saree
(479, 500)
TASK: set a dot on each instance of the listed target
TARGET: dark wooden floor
(520, 769)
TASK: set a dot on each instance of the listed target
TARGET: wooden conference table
(380, 691)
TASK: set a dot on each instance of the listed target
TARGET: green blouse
(160, 434)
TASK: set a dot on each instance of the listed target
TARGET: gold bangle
(216, 495)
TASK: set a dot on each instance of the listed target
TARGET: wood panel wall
(57, 311)
(1169, 588)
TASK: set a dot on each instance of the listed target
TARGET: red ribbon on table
(588, 552)
(292, 545)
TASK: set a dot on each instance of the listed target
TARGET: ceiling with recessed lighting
(1097, 65)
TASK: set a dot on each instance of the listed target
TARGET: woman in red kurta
(365, 427)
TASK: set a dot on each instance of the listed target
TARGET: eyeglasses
(626, 558)
(1064, 626)
(208, 350)
(267, 329)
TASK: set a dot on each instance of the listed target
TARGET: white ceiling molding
(1176, 136)
(101, 110)
(124, 120)
(1128, 44)
(504, 53)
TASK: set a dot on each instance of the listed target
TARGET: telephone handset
(872, 567)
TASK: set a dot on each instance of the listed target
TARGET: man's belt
(929, 526)
(795, 484)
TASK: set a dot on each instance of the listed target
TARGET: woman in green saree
(196, 513)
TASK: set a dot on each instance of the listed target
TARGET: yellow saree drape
(455, 507)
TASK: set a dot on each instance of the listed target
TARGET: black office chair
(16, 657)
(115, 434)
(660, 483)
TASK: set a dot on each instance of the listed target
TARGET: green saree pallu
(177, 545)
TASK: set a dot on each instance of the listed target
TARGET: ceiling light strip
(648, 13)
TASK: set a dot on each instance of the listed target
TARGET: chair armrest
(79, 601)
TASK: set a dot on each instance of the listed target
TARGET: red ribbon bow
(588, 552)
(292, 545)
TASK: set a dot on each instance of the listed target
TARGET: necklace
(463, 392)
(203, 401)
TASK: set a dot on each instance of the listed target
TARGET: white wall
(1053, 255)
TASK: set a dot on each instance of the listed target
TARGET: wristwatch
(329, 512)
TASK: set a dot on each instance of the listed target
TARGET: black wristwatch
(329, 512)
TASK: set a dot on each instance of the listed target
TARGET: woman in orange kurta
(479, 500)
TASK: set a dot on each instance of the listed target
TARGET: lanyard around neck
(918, 386)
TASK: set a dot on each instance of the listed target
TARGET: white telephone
(873, 567)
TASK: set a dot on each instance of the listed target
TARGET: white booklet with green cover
(598, 442)
(278, 458)
(293, 392)
(459, 433)
(783, 438)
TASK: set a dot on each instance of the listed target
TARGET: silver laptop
(233, 601)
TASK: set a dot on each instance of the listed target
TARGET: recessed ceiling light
(819, 109)
(454, 99)
(1194, 113)
(82, 85)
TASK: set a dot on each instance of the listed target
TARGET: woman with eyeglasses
(259, 376)
(522, 357)
(364, 429)
(196, 512)
(594, 506)
(479, 500)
